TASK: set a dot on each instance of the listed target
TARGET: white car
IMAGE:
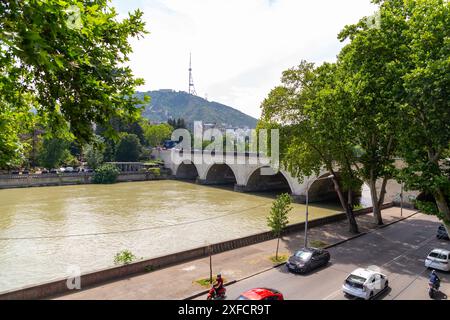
(69, 169)
(365, 283)
(438, 259)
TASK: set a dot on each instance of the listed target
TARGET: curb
(198, 294)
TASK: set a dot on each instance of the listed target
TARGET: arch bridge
(246, 172)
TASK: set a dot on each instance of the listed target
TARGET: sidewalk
(178, 282)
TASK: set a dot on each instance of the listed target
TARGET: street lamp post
(307, 205)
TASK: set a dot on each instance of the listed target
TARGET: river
(45, 230)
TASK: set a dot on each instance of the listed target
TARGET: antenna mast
(191, 79)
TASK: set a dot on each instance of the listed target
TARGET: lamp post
(307, 203)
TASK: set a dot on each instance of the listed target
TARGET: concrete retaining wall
(45, 180)
(58, 287)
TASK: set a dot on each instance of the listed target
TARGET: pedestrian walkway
(178, 282)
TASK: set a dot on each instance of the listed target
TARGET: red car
(261, 294)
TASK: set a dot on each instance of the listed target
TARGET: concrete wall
(42, 180)
(58, 287)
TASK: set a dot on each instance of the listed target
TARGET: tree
(371, 69)
(312, 118)
(425, 135)
(94, 153)
(156, 134)
(64, 62)
(278, 217)
(128, 148)
(54, 152)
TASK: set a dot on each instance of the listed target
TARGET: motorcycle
(433, 288)
(213, 294)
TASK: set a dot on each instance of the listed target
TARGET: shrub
(106, 173)
(124, 257)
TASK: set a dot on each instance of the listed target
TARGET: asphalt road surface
(399, 250)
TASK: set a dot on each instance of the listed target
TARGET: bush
(124, 257)
(106, 173)
(155, 171)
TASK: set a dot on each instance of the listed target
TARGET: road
(399, 250)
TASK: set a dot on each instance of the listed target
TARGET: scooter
(433, 288)
(213, 294)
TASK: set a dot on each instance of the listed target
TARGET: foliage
(279, 258)
(54, 153)
(155, 171)
(278, 217)
(205, 282)
(128, 149)
(313, 119)
(66, 74)
(105, 174)
(157, 133)
(94, 152)
(124, 257)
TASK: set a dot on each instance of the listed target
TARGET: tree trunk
(353, 225)
(443, 207)
(278, 244)
(375, 203)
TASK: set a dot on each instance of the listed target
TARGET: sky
(239, 47)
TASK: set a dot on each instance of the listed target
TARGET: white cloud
(239, 47)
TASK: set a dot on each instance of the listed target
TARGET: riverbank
(111, 274)
(65, 179)
(234, 265)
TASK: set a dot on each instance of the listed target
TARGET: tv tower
(191, 79)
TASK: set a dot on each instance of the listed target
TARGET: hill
(167, 104)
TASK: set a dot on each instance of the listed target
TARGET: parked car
(442, 233)
(69, 169)
(365, 283)
(54, 171)
(15, 172)
(44, 171)
(438, 259)
(261, 294)
(308, 259)
(25, 172)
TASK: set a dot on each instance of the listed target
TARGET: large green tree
(157, 133)
(425, 138)
(54, 152)
(371, 67)
(128, 148)
(314, 126)
(64, 61)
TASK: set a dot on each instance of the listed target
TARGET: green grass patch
(318, 244)
(281, 258)
(204, 282)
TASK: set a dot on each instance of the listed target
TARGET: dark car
(442, 233)
(261, 294)
(308, 259)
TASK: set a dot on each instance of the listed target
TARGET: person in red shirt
(218, 285)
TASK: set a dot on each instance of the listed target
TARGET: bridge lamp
(307, 202)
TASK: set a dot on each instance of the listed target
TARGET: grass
(318, 244)
(281, 258)
(204, 282)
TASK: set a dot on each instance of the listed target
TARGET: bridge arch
(256, 181)
(187, 171)
(220, 174)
